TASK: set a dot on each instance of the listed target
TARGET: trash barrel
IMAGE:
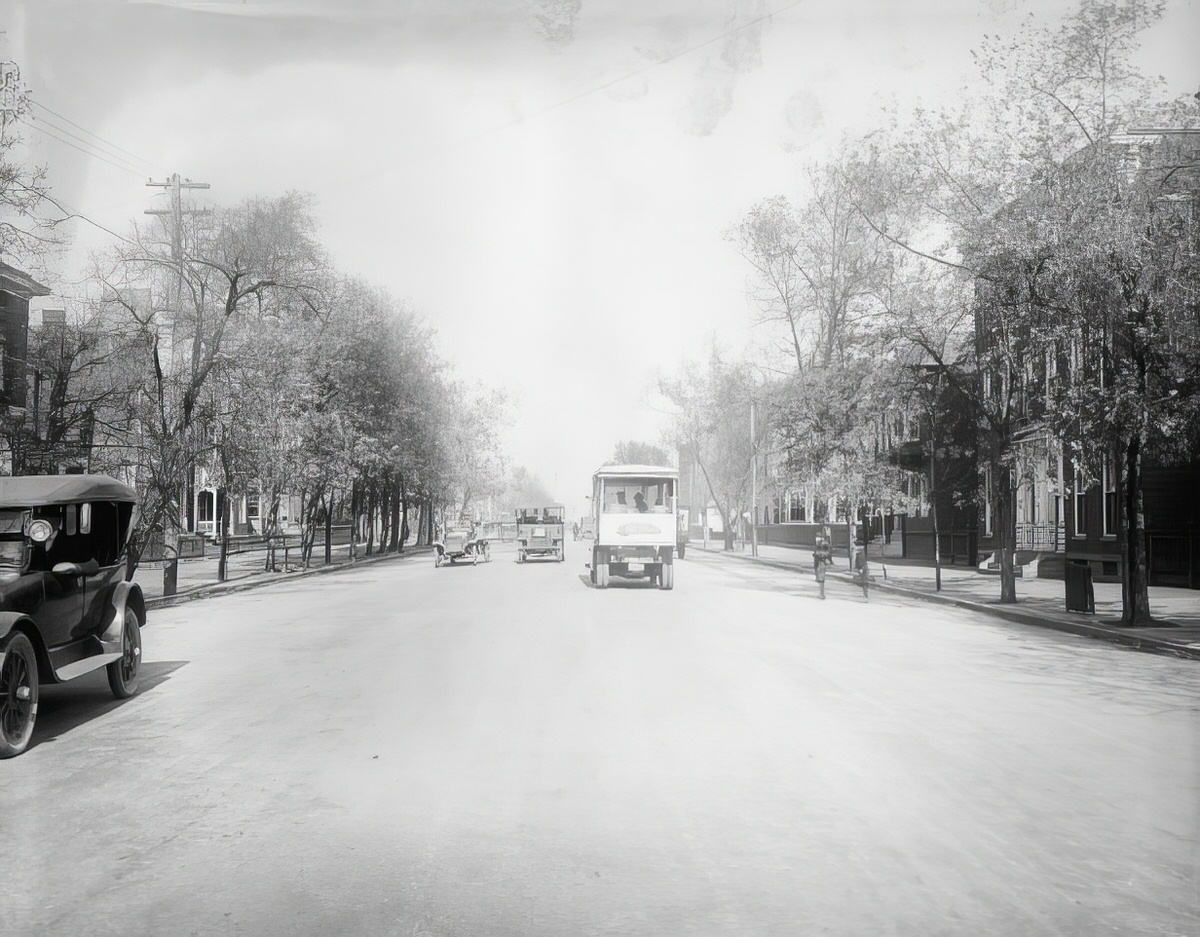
(170, 572)
(1080, 595)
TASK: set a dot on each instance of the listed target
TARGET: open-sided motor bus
(634, 509)
(541, 532)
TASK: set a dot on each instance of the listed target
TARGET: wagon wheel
(18, 695)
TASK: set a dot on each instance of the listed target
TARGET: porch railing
(1045, 537)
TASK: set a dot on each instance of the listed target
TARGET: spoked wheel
(18, 695)
(123, 673)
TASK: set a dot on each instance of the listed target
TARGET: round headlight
(41, 530)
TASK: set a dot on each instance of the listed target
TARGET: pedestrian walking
(822, 557)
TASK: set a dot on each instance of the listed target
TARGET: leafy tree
(640, 453)
(820, 274)
(711, 422)
(27, 231)
(1063, 241)
(203, 278)
(523, 489)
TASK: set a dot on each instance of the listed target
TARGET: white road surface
(502, 750)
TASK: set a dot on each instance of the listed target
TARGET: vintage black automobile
(67, 602)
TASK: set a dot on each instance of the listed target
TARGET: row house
(1065, 514)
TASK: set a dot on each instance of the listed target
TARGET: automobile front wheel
(18, 695)
(123, 672)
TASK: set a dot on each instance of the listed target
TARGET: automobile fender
(16, 621)
(126, 594)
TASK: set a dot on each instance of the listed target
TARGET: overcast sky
(546, 182)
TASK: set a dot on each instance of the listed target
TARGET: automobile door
(100, 525)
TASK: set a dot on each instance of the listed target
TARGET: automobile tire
(18, 695)
(666, 576)
(123, 672)
(602, 576)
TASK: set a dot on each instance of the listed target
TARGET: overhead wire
(95, 154)
(132, 157)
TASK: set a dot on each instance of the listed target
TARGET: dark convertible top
(38, 490)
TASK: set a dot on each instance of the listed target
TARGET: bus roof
(636, 471)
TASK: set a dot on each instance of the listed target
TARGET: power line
(107, 143)
(87, 146)
(92, 153)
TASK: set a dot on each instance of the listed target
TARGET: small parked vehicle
(460, 543)
(68, 604)
(540, 532)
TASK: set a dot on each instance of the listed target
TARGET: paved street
(501, 750)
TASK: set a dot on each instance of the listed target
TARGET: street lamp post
(753, 487)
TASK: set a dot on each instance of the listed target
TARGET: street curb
(259, 580)
(1123, 637)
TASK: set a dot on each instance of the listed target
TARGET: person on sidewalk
(822, 557)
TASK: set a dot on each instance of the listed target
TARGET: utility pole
(175, 187)
(753, 486)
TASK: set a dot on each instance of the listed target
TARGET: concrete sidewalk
(196, 577)
(1176, 629)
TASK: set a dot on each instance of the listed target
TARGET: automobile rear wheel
(123, 672)
(666, 576)
(18, 695)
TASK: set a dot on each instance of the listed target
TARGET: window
(987, 501)
(1109, 481)
(1079, 505)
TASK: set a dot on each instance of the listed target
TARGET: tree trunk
(404, 531)
(223, 558)
(393, 516)
(329, 531)
(1006, 532)
(1135, 586)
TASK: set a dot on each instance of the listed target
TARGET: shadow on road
(63, 707)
